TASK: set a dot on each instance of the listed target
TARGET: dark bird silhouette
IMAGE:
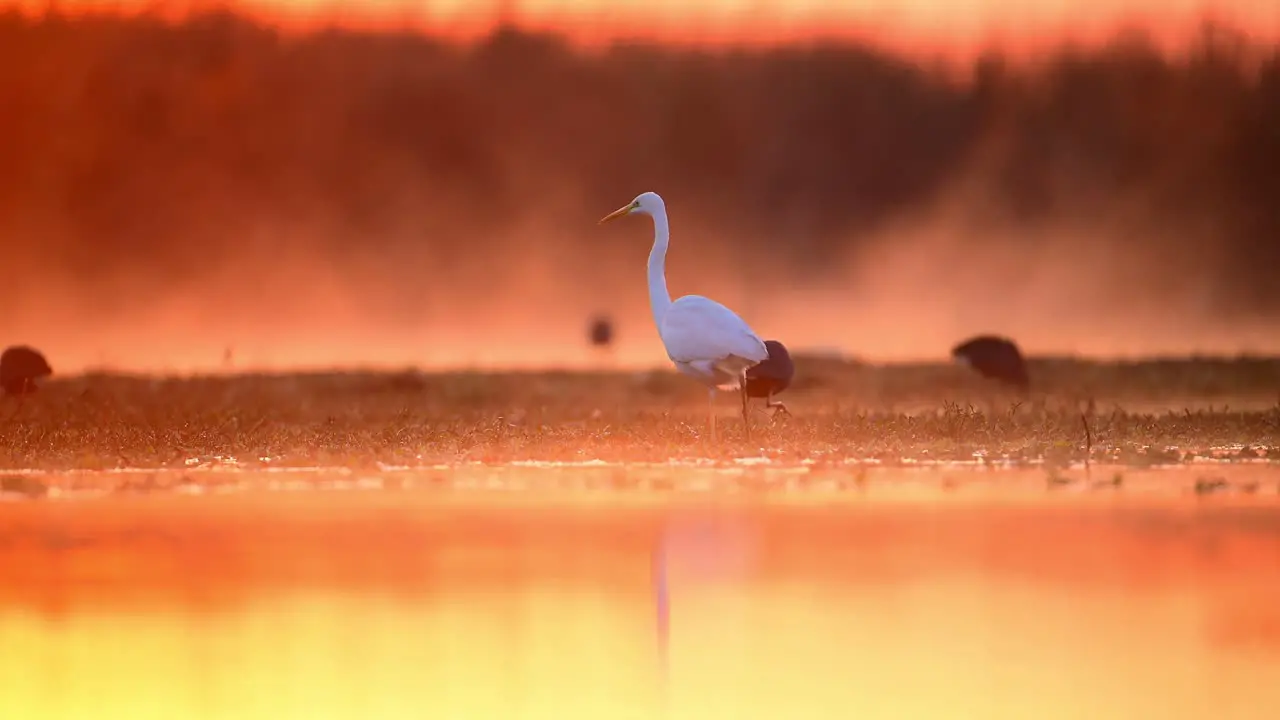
(771, 376)
(20, 367)
(601, 332)
(996, 358)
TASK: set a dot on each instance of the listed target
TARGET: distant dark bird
(994, 357)
(20, 367)
(771, 376)
(601, 332)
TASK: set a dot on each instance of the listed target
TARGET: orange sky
(930, 26)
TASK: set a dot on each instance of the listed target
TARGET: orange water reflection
(402, 605)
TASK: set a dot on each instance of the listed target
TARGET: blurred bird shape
(600, 332)
(20, 367)
(996, 358)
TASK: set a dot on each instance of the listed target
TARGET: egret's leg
(746, 420)
(777, 406)
(711, 412)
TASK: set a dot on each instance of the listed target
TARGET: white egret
(704, 339)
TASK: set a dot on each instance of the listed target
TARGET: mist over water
(362, 199)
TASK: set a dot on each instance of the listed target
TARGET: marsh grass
(1138, 415)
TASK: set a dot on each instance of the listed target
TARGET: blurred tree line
(135, 142)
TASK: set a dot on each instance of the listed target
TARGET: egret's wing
(696, 328)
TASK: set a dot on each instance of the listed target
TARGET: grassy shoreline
(1142, 413)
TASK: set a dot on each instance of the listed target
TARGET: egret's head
(649, 203)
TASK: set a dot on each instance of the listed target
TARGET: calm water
(422, 603)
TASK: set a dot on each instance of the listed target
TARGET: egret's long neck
(659, 298)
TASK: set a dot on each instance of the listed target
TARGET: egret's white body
(704, 339)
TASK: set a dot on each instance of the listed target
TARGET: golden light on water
(322, 655)
(399, 605)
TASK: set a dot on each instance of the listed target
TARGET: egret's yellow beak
(625, 209)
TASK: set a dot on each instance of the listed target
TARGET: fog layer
(168, 192)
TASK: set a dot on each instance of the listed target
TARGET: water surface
(899, 599)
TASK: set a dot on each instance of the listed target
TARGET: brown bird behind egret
(771, 376)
